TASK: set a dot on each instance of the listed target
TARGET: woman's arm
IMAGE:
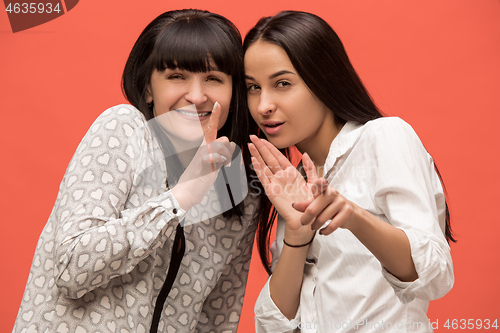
(284, 185)
(114, 208)
(387, 243)
(104, 221)
(404, 188)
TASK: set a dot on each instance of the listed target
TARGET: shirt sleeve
(222, 308)
(409, 193)
(102, 230)
(268, 317)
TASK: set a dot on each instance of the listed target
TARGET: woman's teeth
(193, 114)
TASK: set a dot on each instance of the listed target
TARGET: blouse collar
(342, 143)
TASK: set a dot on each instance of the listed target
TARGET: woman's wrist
(179, 194)
(359, 219)
(299, 245)
(299, 238)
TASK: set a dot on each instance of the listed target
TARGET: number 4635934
(32, 8)
(471, 324)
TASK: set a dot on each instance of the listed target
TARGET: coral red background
(435, 64)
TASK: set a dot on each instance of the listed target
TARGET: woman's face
(183, 101)
(281, 103)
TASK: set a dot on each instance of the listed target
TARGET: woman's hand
(388, 244)
(284, 185)
(203, 169)
(327, 204)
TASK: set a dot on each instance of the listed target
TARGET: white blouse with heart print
(103, 255)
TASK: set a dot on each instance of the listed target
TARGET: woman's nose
(266, 105)
(196, 93)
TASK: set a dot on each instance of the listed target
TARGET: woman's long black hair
(319, 57)
(191, 40)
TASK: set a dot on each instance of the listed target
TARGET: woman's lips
(272, 128)
(193, 115)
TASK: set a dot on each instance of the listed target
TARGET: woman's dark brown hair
(318, 55)
(192, 40)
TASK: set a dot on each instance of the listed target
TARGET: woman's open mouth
(272, 127)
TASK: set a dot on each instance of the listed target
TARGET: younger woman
(381, 252)
(121, 251)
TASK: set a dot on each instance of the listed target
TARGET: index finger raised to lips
(213, 123)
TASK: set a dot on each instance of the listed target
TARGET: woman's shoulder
(392, 135)
(122, 113)
(389, 128)
(388, 123)
(121, 119)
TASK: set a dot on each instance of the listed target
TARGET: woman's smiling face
(281, 103)
(183, 101)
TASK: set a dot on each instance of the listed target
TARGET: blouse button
(174, 210)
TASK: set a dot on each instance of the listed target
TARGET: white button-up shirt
(382, 167)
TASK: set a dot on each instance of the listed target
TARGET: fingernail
(215, 106)
(224, 158)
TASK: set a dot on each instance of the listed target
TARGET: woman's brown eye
(283, 84)
(214, 79)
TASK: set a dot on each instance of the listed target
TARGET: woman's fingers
(212, 156)
(316, 209)
(267, 156)
(213, 123)
(260, 170)
(282, 160)
(255, 153)
(330, 210)
(216, 161)
(337, 221)
(309, 168)
(301, 206)
(319, 186)
(223, 147)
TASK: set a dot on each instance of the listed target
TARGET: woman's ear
(149, 96)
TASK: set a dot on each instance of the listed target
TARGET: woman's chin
(278, 142)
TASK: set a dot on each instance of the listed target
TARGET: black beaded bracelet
(290, 245)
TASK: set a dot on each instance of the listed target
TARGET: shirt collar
(343, 142)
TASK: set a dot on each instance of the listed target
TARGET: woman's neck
(318, 146)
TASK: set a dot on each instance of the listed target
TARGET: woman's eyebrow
(272, 76)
